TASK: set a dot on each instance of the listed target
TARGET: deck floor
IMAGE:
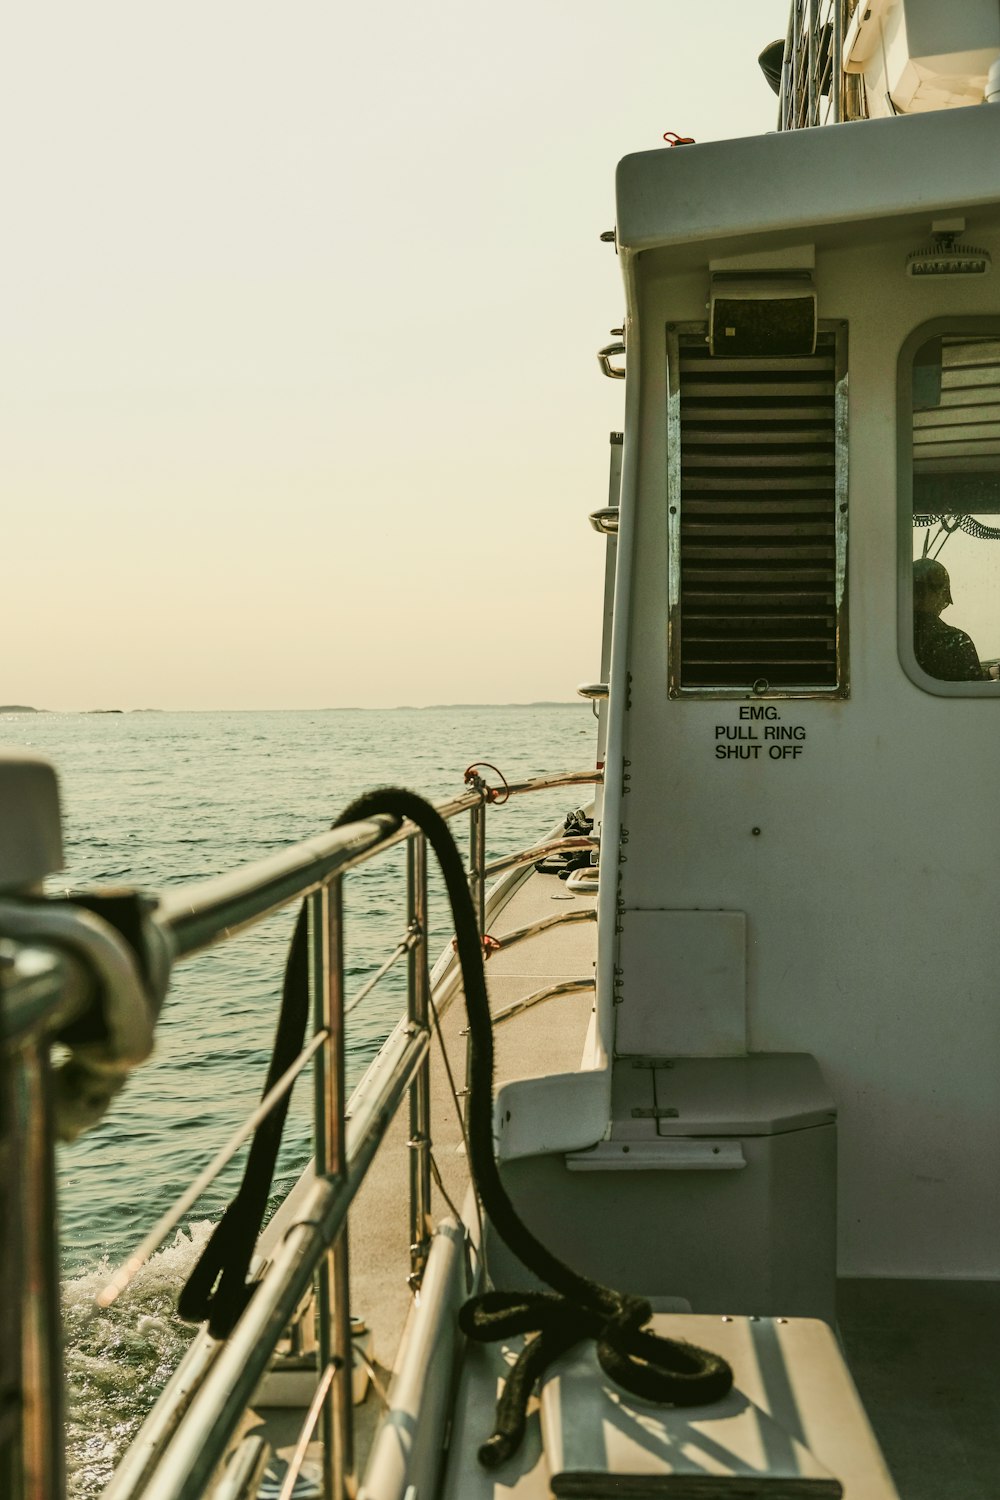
(925, 1356)
(547, 1039)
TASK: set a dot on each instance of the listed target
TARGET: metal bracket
(613, 372)
(661, 1154)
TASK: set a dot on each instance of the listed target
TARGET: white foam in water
(118, 1361)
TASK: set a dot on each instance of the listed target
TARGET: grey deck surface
(925, 1356)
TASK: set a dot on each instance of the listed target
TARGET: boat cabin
(797, 1027)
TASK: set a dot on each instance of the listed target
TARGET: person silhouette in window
(942, 650)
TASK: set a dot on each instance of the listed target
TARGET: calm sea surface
(163, 799)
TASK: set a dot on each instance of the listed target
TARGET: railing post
(477, 888)
(32, 1455)
(477, 860)
(418, 1013)
(42, 1468)
(333, 1306)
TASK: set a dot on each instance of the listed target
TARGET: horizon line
(13, 709)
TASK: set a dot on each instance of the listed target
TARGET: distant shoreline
(353, 708)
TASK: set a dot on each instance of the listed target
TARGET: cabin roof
(810, 183)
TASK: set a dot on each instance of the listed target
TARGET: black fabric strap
(217, 1288)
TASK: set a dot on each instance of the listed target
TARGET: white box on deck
(728, 1166)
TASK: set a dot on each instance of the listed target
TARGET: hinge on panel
(656, 1113)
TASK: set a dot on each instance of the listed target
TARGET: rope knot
(641, 1362)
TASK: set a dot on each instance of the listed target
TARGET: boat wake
(118, 1361)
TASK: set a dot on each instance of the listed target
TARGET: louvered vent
(758, 520)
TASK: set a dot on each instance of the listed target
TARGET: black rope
(217, 1289)
(655, 1368)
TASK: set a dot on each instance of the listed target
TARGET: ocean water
(160, 799)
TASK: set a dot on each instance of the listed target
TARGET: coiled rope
(658, 1369)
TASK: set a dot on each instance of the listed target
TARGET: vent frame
(679, 337)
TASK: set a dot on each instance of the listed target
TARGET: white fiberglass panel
(862, 844)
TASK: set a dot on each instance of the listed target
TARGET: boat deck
(926, 1360)
(546, 1039)
(923, 1354)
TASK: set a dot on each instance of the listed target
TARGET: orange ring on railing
(490, 944)
(492, 792)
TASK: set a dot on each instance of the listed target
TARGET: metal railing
(815, 90)
(33, 997)
(186, 1447)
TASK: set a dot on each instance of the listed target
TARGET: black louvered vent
(758, 518)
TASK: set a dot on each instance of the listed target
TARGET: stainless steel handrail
(124, 1275)
(196, 917)
(199, 915)
(200, 1438)
(548, 992)
(605, 520)
(42, 989)
(550, 783)
(604, 357)
(529, 856)
(561, 919)
(117, 1284)
(407, 945)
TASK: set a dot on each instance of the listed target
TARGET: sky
(299, 406)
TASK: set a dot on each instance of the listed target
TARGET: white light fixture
(948, 257)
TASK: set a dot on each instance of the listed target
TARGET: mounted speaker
(762, 316)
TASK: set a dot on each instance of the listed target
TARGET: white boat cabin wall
(809, 843)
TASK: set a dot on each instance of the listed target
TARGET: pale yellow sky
(298, 397)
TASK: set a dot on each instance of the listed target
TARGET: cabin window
(757, 517)
(950, 532)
